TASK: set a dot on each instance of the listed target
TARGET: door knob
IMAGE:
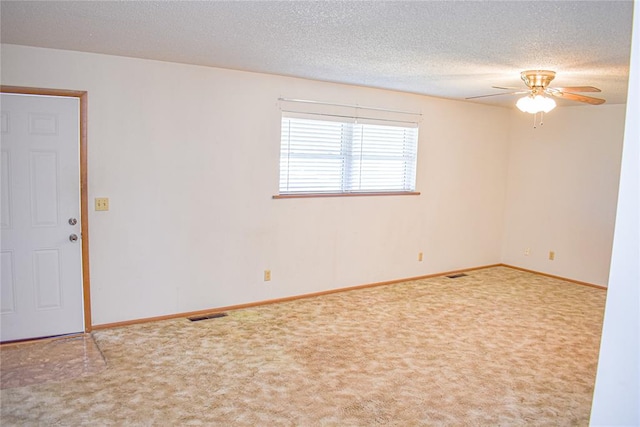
(73, 221)
(73, 237)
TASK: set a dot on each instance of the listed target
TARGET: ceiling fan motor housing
(537, 78)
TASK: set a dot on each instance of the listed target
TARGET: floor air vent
(455, 276)
(207, 316)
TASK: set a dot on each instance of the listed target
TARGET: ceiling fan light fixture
(535, 104)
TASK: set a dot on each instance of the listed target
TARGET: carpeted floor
(497, 347)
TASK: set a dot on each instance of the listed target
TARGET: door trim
(84, 190)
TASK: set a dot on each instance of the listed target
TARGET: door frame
(84, 190)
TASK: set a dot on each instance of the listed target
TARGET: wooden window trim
(321, 195)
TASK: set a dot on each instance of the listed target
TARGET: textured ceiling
(450, 49)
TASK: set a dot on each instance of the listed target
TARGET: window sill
(315, 195)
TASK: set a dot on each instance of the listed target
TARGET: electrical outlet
(102, 203)
(420, 256)
(267, 275)
(552, 255)
(527, 252)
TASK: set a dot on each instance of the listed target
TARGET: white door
(41, 269)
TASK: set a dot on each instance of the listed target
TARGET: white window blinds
(326, 154)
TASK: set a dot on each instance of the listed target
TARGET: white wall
(562, 187)
(189, 159)
(616, 398)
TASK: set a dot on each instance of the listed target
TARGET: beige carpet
(498, 347)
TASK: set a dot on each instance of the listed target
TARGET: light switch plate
(102, 203)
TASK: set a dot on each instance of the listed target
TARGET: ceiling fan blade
(576, 89)
(580, 98)
(507, 87)
(497, 94)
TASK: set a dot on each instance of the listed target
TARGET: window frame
(347, 145)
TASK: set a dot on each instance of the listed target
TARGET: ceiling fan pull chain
(541, 118)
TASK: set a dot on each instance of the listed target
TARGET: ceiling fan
(537, 82)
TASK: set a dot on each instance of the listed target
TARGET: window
(336, 155)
